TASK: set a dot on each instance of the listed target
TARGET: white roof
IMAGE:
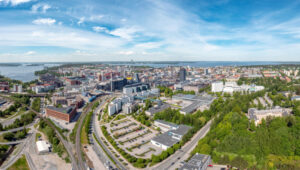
(42, 146)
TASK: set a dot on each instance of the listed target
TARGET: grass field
(21, 164)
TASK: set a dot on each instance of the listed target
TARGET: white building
(111, 109)
(172, 134)
(43, 147)
(258, 115)
(18, 88)
(165, 126)
(217, 87)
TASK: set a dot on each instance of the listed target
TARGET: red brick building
(4, 86)
(66, 113)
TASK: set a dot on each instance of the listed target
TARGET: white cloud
(30, 53)
(81, 21)
(100, 29)
(126, 52)
(96, 18)
(44, 21)
(40, 7)
(15, 2)
(127, 33)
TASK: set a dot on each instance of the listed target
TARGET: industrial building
(196, 102)
(197, 162)
(158, 108)
(43, 147)
(172, 134)
(64, 113)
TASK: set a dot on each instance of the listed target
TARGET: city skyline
(54, 31)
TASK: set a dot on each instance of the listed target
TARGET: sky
(149, 30)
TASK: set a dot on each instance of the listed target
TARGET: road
(15, 157)
(19, 128)
(13, 142)
(64, 142)
(174, 160)
(29, 161)
(96, 130)
(78, 141)
(98, 150)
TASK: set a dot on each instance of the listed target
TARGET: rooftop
(165, 139)
(181, 130)
(66, 110)
(160, 108)
(167, 123)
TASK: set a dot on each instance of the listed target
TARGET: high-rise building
(182, 74)
(136, 78)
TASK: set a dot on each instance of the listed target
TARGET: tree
(298, 91)
(224, 160)
(239, 162)
(155, 159)
(8, 136)
(252, 126)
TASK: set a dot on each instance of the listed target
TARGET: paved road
(174, 160)
(64, 142)
(18, 129)
(98, 150)
(13, 142)
(96, 131)
(29, 161)
(15, 157)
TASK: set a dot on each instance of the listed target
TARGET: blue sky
(149, 30)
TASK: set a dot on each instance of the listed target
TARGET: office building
(258, 115)
(182, 74)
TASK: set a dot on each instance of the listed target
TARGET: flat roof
(166, 123)
(160, 108)
(181, 130)
(165, 139)
(66, 110)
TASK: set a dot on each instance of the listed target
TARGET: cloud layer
(149, 30)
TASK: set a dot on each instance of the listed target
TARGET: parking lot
(6, 106)
(134, 137)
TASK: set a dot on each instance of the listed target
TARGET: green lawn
(21, 164)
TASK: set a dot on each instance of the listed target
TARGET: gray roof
(157, 109)
(167, 123)
(165, 139)
(181, 130)
(196, 162)
(2, 101)
(295, 97)
(65, 110)
(193, 97)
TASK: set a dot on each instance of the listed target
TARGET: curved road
(19, 128)
(13, 142)
(95, 130)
